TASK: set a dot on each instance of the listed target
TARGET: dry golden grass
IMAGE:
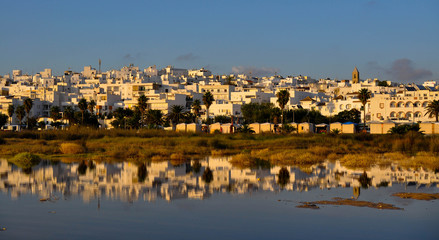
(71, 148)
(355, 151)
(355, 161)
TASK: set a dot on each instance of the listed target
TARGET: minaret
(99, 65)
(355, 76)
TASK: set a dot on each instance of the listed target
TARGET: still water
(56, 200)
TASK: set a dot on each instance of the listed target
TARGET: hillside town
(176, 99)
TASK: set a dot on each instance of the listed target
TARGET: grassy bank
(355, 151)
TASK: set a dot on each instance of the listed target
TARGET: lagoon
(59, 200)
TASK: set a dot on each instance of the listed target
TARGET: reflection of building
(166, 181)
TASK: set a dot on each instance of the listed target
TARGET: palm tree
(433, 109)
(82, 105)
(54, 113)
(20, 113)
(142, 104)
(283, 97)
(364, 94)
(69, 114)
(177, 112)
(196, 106)
(11, 110)
(208, 100)
(154, 117)
(91, 106)
(27, 107)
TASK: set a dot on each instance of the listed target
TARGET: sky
(390, 40)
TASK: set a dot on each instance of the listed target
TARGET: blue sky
(393, 40)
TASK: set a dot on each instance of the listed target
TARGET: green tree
(55, 113)
(352, 115)
(82, 105)
(69, 114)
(196, 107)
(222, 119)
(364, 95)
(258, 112)
(176, 114)
(91, 106)
(3, 119)
(433, 109)
(283, 97)
(20, 113)
(28, 103)
(208, 100)
(11, 110)
(154, 118)
(245, 129)
(404, 128)
(142, 104)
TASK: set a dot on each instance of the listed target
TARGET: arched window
(341, 106)
(409, 115)
(400, 104)
(424, 104)
(408, 104)
(393, 104)
(392, 114)
(417, 104)
(418, 114)
(401, 115)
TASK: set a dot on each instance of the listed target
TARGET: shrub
(71, 148)
(25, 160)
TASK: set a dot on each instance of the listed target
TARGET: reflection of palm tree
(82, 168)
(207, 175)
(365, 181)
(433, 109)
(196, 166)
(283, 177)
(141, 172)
(356, 192)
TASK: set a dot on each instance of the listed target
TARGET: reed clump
(72, 148)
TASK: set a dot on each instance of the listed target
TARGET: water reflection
(195, 180)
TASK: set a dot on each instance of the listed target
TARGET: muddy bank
(349, 202)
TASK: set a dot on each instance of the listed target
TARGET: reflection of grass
(355, 150)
